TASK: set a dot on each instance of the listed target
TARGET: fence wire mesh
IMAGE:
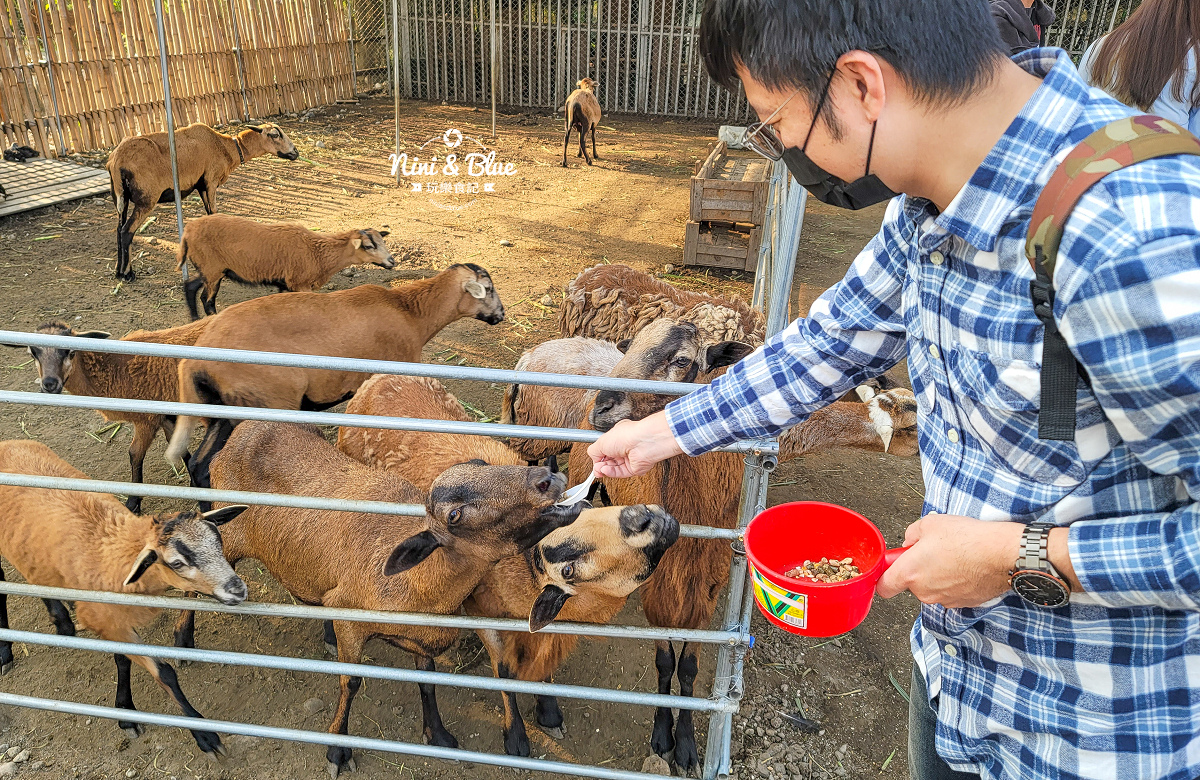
(1079, 22)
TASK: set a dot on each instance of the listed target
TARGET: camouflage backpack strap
(1117, 145)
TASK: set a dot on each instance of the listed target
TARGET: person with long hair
(1149, 61)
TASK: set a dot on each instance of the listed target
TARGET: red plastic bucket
(785, 536)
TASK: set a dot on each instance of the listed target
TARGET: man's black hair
(943, 49)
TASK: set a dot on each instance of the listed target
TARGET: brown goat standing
(476, 516)
(286, 255)
(582, 111)
(112, 375)
(366, 322)
(71, 539)
(583, 572)
(139, 170)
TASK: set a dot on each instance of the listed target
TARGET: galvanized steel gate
(732, 638)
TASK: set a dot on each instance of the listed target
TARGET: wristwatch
(1032, 576)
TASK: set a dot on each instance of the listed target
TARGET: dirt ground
(629, 208)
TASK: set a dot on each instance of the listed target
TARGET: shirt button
(933, 350)
(952, 435)
(951, 651)
(936, 257)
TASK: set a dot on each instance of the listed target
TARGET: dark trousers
(923, 761)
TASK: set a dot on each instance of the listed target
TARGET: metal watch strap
(1034, 547)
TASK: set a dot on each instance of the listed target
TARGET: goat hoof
(128, 276)
(441, 738)
(516, 745)
(183, 662)
(558, 732)
(6, 668)
(210, 743)
(341, 759)
(132, 730)
(331, 649)
(134, 505)
(685, 757)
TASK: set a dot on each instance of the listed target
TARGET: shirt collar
(1011, 173)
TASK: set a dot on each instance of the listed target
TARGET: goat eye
(682, 362)
(454, 517)
(177, 565)
(568, 571)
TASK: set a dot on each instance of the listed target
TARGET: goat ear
(410, 552)
(255, 128)
(224, 514)
(546, 607)
(623, 345)
(356, 242)
(475, 289)
(725, 353)
(384, 233)
(92, 334)
(144, 561)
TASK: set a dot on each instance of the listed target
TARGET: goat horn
(886, 435)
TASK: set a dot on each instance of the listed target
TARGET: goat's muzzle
(292, 155)
(602, 417)
(234, 591)
(51, 384)
(388, 262)
(491, 319)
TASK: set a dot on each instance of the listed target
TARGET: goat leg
(566, 141)
(516, 740)
(185, 630)
(63, 625)
(214, 439)
(341, 759)
(125, 233)
(208, 741)
(331, 643)
(550, 716)
(433, 729)
(192, 289)
(687, 756)
(6, 656)
(661, 740)
(210, 296)
(594, 155)
(143, 436)
(125, 697)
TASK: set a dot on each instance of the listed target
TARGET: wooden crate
(722, 246)
(731, 186)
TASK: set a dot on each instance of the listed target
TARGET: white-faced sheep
(555, 407)
(614, 302)
(285, 255)
(111, 375)
(583, 572)
(582, 111)
(704, 491)
(366, 322)
(67, 539)
(139, 170)
(476, 515)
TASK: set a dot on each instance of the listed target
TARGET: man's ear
(410, 552)
(725, 353)
(144, 561)
(546, 607)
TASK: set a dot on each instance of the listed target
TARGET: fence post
(495, 56)
(62, 147)
(396, 77)
(353, 54)
(166, 85)
(237, 47)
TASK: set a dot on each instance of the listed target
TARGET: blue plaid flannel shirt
(1109, 686)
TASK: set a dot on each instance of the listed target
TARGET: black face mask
(827, 188)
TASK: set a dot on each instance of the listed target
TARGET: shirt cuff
(696, 423)
(1146, 560)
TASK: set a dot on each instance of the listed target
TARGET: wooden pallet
(722, 246)
(731, 186)
(41, 182)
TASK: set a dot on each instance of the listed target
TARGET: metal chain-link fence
(643, 54)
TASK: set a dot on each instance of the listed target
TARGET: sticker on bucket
(791, 608)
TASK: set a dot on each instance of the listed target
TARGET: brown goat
(702, 490)
(476, 515)
(582, 115)
(110, 375)
(554, 407)
(583, 572)
(614, 302)
(366, 322)
(69, 539)
(285, 255)
(139, 170)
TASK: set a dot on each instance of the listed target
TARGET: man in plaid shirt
(920, 98)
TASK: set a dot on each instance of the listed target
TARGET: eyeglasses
(761, 138)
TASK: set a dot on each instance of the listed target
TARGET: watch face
(1040, 588)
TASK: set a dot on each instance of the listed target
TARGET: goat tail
(118, 191)
(508, 412)
(181, 255)
(180, 439)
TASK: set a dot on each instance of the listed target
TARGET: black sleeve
(1008, 31)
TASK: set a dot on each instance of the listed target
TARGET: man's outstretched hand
(632, 448)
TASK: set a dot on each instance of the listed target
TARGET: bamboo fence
(91, 67)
